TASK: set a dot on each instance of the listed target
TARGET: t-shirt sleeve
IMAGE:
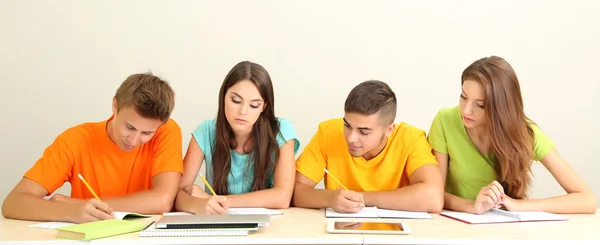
(168, 149)
(54, 167)
(313, 159)
(203, 134)
(437, 135)
(287, 133)
(419, 154)
(542, 143)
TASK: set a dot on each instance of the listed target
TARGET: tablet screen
(370, 226)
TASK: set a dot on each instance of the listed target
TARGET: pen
(88, 186)
(339, 182)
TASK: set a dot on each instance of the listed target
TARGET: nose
(136, 139)
(468, 110)
(244, 110)
(353, 137)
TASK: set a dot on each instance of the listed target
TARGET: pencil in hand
(340, 183)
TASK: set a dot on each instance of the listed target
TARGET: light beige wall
(61, 62)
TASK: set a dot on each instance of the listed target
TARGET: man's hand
(343, 201)
(88, 211)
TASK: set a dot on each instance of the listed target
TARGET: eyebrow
(238, 95)
(359, 128)
(467, 96)
(129, 124)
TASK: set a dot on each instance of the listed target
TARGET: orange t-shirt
(86, 149)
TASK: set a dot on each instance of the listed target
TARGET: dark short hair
(371, 97)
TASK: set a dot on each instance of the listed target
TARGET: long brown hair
(264, 131)
(511, 136)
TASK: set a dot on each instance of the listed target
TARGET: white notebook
(374, 212)
(152, 231)
(54, 224)
(501, 216)
(235, 211)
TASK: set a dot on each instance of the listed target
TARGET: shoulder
(448, 112)
(83, 133)
(169, 127)
(206, 126)
(407, 133)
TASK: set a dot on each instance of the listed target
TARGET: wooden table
(308, 226)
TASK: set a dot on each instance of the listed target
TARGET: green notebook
(99, 229)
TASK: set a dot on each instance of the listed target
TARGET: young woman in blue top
(249, 153)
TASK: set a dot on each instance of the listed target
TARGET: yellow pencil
(207, 185)
(88, 186)
(339, 182)
(335, 178)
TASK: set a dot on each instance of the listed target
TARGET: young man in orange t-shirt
(382, 164)
(132, 161)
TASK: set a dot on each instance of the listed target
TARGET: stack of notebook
(206, 225)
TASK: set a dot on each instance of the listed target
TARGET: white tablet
(368, 227)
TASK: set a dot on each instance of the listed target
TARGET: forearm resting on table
(25, 206)
(452, 202)
(416, 197)
(187, 203)
(570, 203)
(270, 198)
(309, 197)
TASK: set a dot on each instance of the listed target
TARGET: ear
(114, 106)
(390, 129)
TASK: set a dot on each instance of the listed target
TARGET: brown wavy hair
(511, 136)
(265, 148)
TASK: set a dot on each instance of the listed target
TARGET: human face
(365, 134)
(243, 106)
(128, 129)
(472, 104)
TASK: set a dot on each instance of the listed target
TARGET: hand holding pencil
(91, 210)
(344, 200)
(214, 204)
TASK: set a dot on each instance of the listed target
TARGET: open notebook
(55, 225)
(235, 211)
(501, 216)
(374, 212)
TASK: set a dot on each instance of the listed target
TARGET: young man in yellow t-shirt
(382, 164)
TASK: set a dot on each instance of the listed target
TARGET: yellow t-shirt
(407, 150)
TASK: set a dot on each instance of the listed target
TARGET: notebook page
(368, 212)
(50, 225)
(53, 224)
(254, 211)
(485, 218)
(388, 213)
(539, 216)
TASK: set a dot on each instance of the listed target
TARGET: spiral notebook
(501, 216)
(152, 231)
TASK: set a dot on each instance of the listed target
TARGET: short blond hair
(151, 96)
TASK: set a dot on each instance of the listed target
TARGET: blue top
(242, 169)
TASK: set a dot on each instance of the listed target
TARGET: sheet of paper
(368, 212)
(485, 218)
(122, 215)
(176, 213)
(50, 225)
(539, 216)
(254, 211)
(118, 215)
(387, 213)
